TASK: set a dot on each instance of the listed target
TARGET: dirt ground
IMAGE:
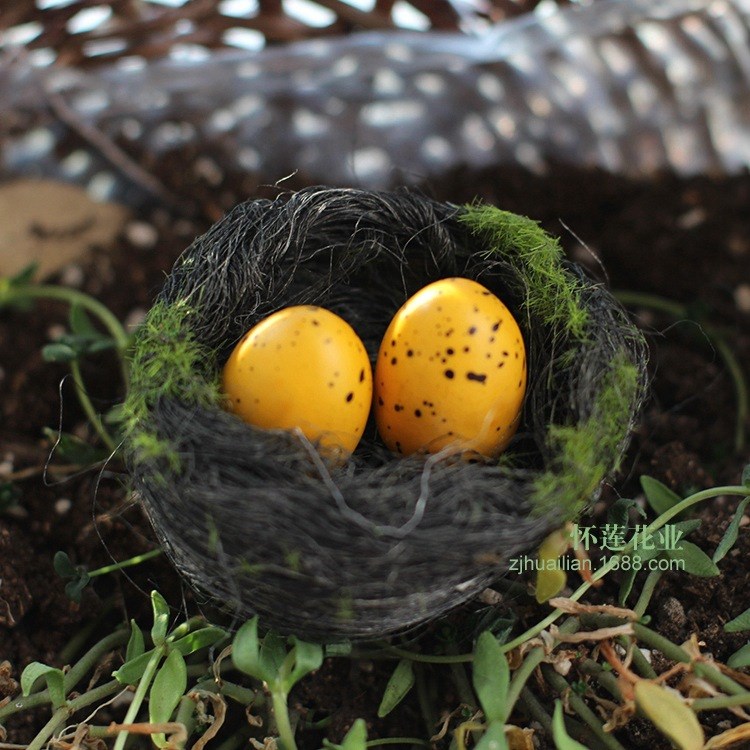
(686, 240)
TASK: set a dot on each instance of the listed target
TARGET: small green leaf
(307, 658)
(658, 495)
(355, 739)
(54, 678)
(563, 741)
(626, 586)
(619, 512)
(25, 275)
(273, 654)
(132, 670)
(246, 652)
(741, 658)
(74, 589)
(63, 565)
(491, 676)
(730, 535)
(696, 561)
(398, 687)
(669, 714)
(740, 623)
(493, 738)
(161, 618)
(80, 323)
(9, 495)
(73, 450)
(550, 577)
(136, 646)
(199, 639)
(168, 687)
(59, 352)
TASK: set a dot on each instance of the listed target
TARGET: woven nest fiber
(257, 521)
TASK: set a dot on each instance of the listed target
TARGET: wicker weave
(152, 30)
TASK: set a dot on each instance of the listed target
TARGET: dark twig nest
(260, 523)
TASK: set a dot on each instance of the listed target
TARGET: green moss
(552, 294)
(583, 453)
(167, 362)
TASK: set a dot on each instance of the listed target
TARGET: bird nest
(259, 522)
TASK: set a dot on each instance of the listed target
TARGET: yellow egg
(302, 367)
(451, 371)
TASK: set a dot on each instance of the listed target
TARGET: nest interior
(257, 521)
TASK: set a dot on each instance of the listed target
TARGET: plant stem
(430, 658)
(426, 706)
(639, 660)
(244, 696)
(57, 719)
(140, 694)
(137, 560)
(73, 297)
(605, 678)
(90, 659)
(88, 407)
(560, 684)
(283, 724)
(678, 654)
(401, 741)
(719, 702)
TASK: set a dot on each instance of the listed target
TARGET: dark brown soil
(687, 240)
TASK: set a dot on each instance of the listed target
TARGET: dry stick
(112, 152)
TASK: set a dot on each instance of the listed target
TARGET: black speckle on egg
(449, 374)
(450, 352)
(497, 325)
(330, 384)
(380, 401)
(476, 377)
(443, 360)
(410, 353)
(472, 330)
(506, 354)
(492, 339)
(315, 322)
(349, 397)
(417, 413)
(394, 360)
(362, 375)
(516, 355)
(398, 446)
(500, 364)
(238, 400)
(476, 309)
(393, 342)
(398, 407)
(448, 332)
(466, 350)
(488, 356)
(485, 293)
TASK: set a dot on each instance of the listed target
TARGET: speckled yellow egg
(451, 371)
(302, 367)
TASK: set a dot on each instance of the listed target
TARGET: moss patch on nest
(166, 362)
(552, 294)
